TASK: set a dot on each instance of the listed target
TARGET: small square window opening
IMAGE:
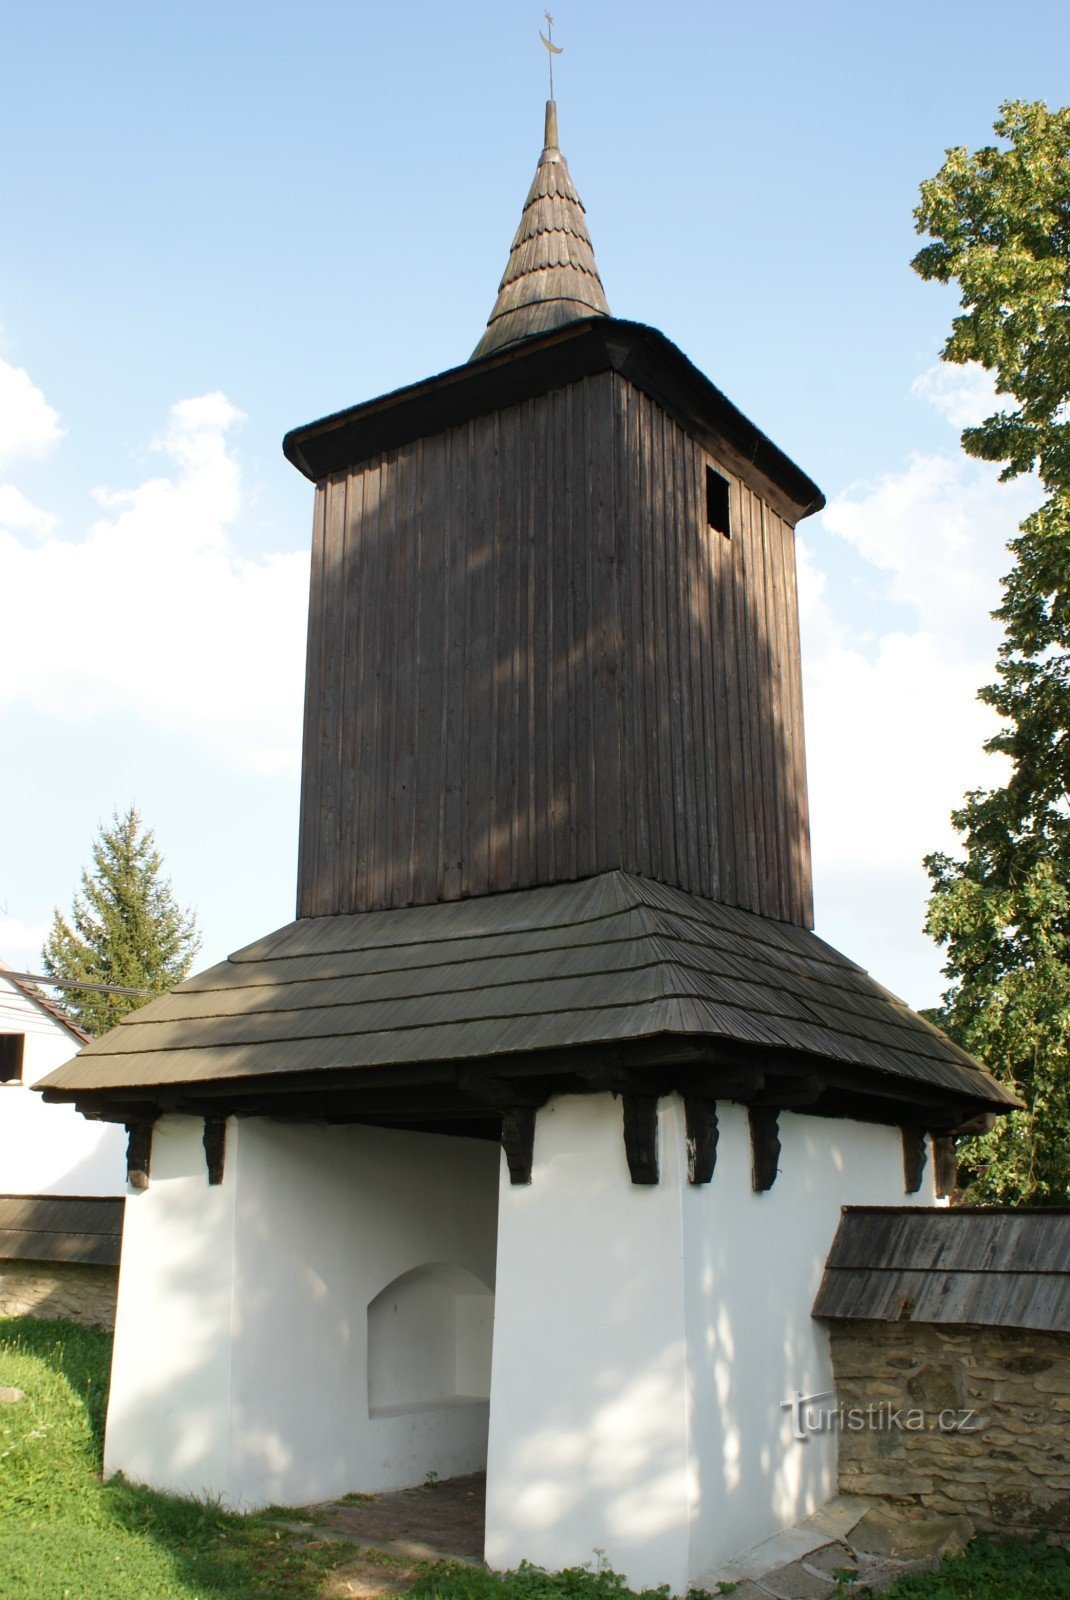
(11, 1049)
(717, 502)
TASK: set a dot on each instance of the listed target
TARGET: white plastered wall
(646, 1339)
(240, 1364)
(588, 1438)
(50, 1149)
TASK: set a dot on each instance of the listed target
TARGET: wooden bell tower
(553, 650)
(553, 627)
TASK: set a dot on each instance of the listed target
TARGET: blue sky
(220, 222)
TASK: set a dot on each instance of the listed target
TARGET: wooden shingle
(44, 1227)
(1002, 1269)
(603, 961)
(551, 277)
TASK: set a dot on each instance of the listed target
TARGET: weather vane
(553, 49)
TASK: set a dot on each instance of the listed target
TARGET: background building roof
(45, 1227)
(1002, 1269)
(55, 1010)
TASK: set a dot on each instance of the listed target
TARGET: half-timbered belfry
(524, 1144)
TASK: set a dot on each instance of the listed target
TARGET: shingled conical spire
(550, 277)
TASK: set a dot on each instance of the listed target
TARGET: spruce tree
(125, 928)
(999, 225)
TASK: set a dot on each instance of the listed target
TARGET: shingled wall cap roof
(551, 277)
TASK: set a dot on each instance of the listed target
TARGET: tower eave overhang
(427, 1014)
(642, 355)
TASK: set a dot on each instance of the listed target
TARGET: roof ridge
(54, 1008)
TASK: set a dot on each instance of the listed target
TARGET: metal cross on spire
(552, 49)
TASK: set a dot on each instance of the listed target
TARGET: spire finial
(552, 50)
(550, 278)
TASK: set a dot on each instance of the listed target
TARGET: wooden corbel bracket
(700, 1115)
(517, 1103)
(945, 1164)
(215, 1147)
(139, 1152)
(915, 1155)
(641, 1136)
(764, 1146)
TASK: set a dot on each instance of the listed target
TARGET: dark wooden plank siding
(531, 660)
(311, 832)
(798, 788)
(449, 574)
(603, 574)
(360, 515)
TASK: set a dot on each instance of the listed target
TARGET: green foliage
(999, 221)
(999, 224)
(66, 1536)
(595, 1581)
(1010, 1570)
(126, 928)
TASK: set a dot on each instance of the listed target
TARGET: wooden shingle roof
(535, 367)
(601, 962)
(550, 277)
(55, 1010)
(59, 1227)
(950, 1265)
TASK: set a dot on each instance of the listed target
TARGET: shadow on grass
(81, 1355)
(231, 1557)
(64, 1532)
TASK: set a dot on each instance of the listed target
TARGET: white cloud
(965, 395)
(28, 424)
(938, 530)
(21, 943)
(18, 512)
(894, 728)
(154, 614)
(895, 738)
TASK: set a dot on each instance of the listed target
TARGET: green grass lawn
(1009, 1570)
(66, 1536)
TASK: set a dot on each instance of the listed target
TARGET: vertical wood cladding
(531, 659)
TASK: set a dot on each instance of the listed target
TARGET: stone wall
(74, 1290)
(1006, 1460)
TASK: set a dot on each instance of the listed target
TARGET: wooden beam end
(764, 1146)
(641, 1136)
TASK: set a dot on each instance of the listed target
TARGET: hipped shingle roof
(601, 961)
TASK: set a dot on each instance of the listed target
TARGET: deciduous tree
(998, 222)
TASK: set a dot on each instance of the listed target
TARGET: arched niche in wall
(429, 1340)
